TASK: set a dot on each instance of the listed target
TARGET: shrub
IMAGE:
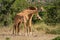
(57, 38)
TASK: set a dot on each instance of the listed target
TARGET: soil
(6, 34)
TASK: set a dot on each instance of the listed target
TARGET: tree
(53, 15)
(5, 9)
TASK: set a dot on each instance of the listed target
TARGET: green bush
(7, 38)
(53, 13)
(53, 31)
(9, 8)
(57, 38)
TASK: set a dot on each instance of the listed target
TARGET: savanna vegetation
(51, 15)
(57, 38)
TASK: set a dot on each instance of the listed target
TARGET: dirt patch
(6, 33)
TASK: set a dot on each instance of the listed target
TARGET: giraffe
(25, 16)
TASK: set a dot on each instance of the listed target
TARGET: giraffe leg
(30, 25)
(25, 26)
(18, 27)
(30, 29)
(14, 29)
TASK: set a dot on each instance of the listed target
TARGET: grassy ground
(40, 32)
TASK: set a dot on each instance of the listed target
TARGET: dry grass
(47, 29)
(40, 32)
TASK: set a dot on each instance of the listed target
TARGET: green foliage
(53, 14)
(7, 38)
(57, 38)
(5, 9)
(20, 5)
(54, 31)
(9, 8)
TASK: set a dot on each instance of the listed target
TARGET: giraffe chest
(30, 16)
